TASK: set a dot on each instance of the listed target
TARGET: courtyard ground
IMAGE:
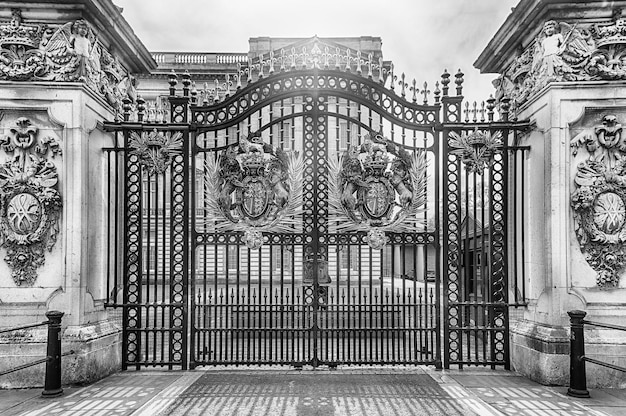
(370, 391)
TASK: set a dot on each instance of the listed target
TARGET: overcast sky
(421, 37)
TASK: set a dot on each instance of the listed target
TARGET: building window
(387, 253)
(281, 262)
(149, 259)
(233, 258)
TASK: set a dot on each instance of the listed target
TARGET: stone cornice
(526, 21)
(113, 30)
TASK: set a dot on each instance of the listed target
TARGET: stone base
(541, 353)
(608, 346)
(97, 354)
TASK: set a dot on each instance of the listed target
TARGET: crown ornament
(611, 33)
(17, 33)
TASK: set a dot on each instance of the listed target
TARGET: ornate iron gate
(297, 222)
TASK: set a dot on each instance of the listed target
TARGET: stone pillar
(556, 71)
(54, 95)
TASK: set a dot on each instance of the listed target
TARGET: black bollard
(577, 374)
(52, 385)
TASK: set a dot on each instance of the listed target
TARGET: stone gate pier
(64, 69)
(560, 64)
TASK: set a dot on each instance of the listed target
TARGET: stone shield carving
(254, 188)
(599, 200)
(29, 201)
(377, 187)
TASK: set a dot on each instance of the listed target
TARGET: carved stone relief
(599, 198)
(70, 52)
(30, 203)
(566, 52)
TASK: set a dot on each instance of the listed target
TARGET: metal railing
(52, 383)
(578, 375)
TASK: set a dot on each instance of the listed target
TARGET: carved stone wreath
(30, 204)
(377, 188)
(599, 201)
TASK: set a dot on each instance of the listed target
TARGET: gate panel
(476, 287)
(319, 286)
(155, 251)
(338, 301)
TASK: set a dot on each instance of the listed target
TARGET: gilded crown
(376, 162)
(252, 162)
(155, 138)
(16, 33)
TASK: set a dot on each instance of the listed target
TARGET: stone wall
(554, 61)
(58, 83)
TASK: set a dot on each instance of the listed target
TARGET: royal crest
(475, 149)
(378, 187)
(253, 188)
(155, 149)
(29, 202)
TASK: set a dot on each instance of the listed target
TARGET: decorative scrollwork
(377, 187)
(30, 205)
(599, 202)
(254, 188)
(567, 52)
(70, 52)
(155, 149)
(475, 149)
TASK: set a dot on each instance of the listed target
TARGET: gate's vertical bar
(192, 212)
(452, 233)
(179, 229)
(437, 149)
(131, 347)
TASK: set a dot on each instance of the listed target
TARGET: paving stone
(317, 394)
(355, 391)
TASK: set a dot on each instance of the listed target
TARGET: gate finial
(437, 92)
(445, 80)
(459, 82)
(491, 104)
(173, 80)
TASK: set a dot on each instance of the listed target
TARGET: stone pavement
(370, 391)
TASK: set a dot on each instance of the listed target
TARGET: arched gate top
(321, 82)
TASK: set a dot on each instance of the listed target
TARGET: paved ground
(395, 391)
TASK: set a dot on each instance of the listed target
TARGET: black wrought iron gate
(247, 239)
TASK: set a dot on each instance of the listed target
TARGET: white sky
(421, 37)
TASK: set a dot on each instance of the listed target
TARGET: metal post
(52, 386)
(577, 374)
